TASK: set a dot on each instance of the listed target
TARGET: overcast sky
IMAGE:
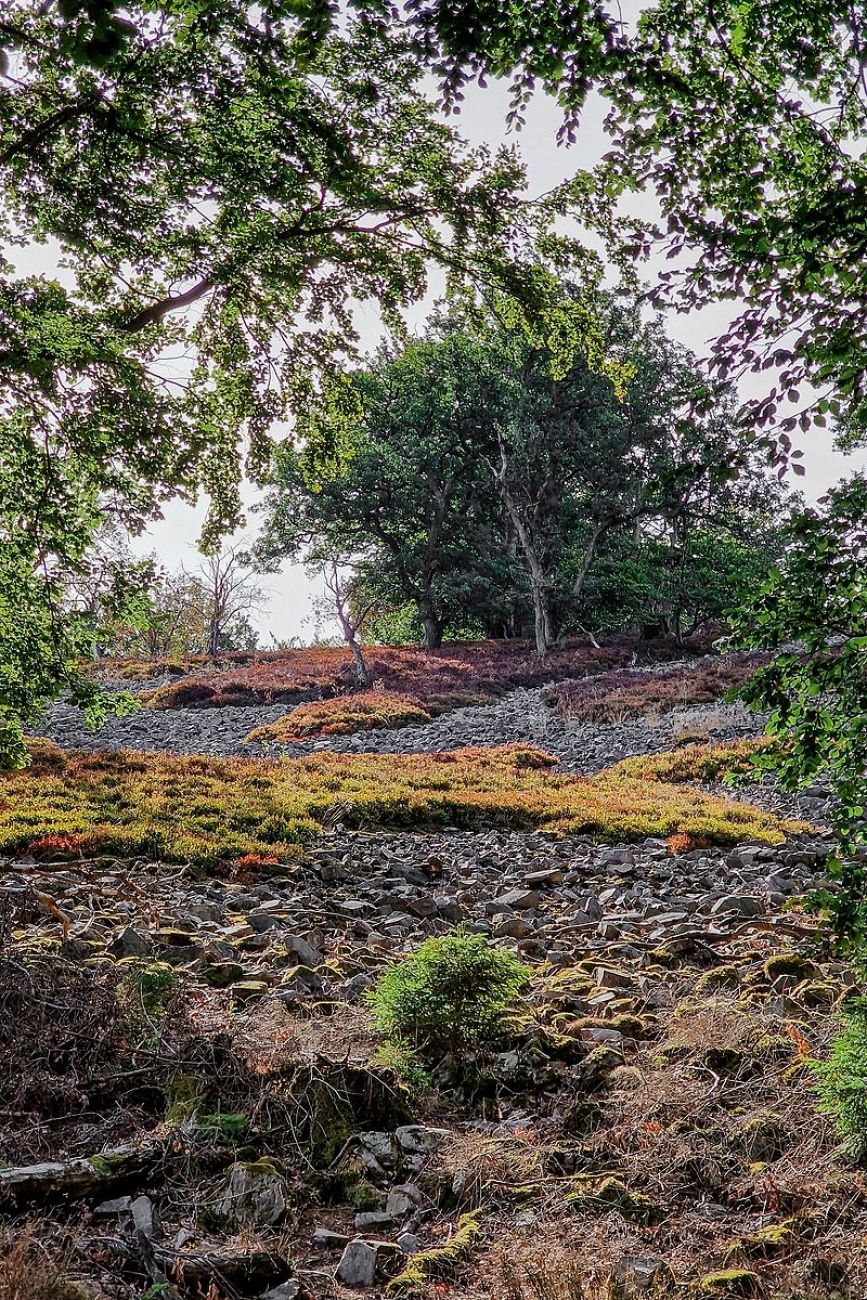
(291, 595)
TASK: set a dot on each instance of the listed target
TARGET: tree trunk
(362, 672)
(541, 611)
(432, 637)
(432, 625)
(587, 562)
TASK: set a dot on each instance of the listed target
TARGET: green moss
(614, 1194)
(440, 1262)
(721, 977)
(817, 993)
(790, 963)
(362, 1195)
(766, 1243)
(732, 1284)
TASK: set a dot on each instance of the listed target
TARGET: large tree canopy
(220, 189)
(483, 481)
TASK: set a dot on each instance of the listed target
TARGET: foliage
(342, 716)
(213, 811)
(620, 694)
(452, 992)
(221, 187)
(841, 1080)
(486, 477)
(812, 614)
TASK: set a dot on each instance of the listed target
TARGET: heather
(461, 673)
(617, 695)
(342, 715)
(214, 811)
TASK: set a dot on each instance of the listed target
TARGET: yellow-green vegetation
(439, 1262)
(732, 1284)
(214, 810)
(702, 763)
(342, 715)
(613, 1194)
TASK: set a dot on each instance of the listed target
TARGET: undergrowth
(617, 695)
(342, 715)
(213, 811)
(467, 672)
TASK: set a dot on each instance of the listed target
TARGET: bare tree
(231, 591)
(350, 622)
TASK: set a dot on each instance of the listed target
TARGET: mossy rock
(246, 991)
(817, 993)
(764, 1137)
(733, 1284)
(223, 973)
(613, 1194)
(770, 1241)
(598, 1064)
(722, 1059)
(626, 1078)
(672, 1054)
(362, 1195)
(772, 1049)
(633, 1026)
(721, 977)
(414, 1282)
(790, 963)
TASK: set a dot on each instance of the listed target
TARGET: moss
(768, 1242)
(790, 963)
(221, 974)
(440, 1262)
(816, 993)
(721, 977)
(611, 1193)
(732, 1284)
(222, 810)
(362, 1195)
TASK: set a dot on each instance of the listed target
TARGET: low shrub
(614, 696)
(841, 1080)
(452, 993)
(705, 764)
(342, 715)
(215, 811)
(460, 673)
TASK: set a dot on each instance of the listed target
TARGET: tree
(230, 596)
(582, 458)
(350, 618)
(411, 493)
(222, 181)
(812, 613)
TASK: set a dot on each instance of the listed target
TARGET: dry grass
(32, 1270)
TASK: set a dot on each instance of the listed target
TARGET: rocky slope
(195, 1103)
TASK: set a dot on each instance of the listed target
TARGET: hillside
(200, 1100)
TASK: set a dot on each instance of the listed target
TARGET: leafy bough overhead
(220, 192)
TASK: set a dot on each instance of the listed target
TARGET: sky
(289, 609)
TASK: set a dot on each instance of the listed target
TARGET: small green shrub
(841, 1081)
(451, 994)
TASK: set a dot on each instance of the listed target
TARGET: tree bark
(590, 550)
